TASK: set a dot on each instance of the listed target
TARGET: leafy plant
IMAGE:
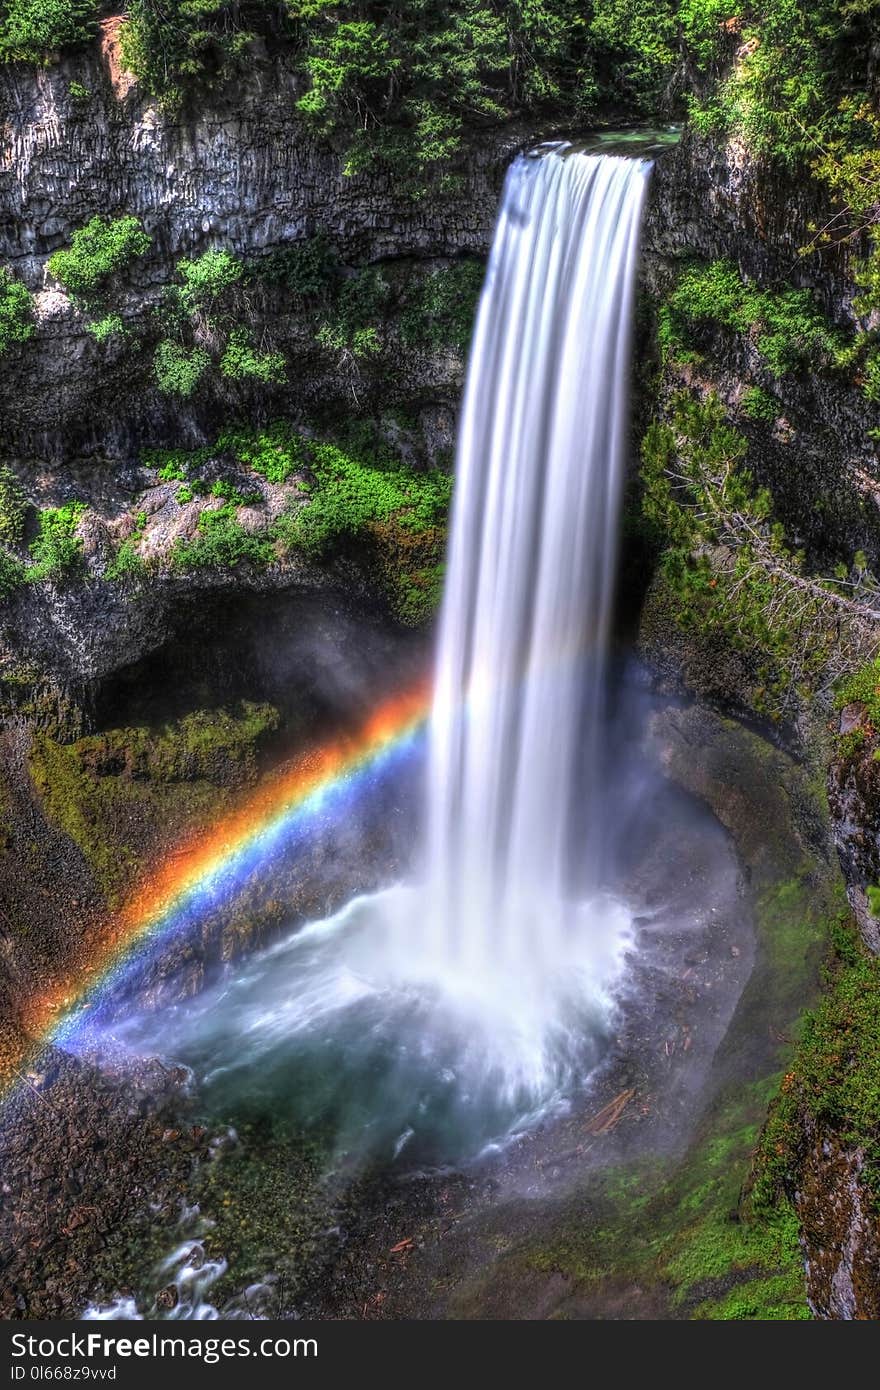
(12, 573)
(57, 551)
(207, 282)
(241, 360)
(32, 30)
(103, 329)
(758, 404)
(98, 251)
(275, 452)
(441, 312)
(787, 328)
(177, 369)
(222, 543)
(13, 507)
(16, 311)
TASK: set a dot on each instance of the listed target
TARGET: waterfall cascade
(437, 1015)
(515, 734)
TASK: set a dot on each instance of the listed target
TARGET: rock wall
(236, 170)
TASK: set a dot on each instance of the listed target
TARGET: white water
(515, 800)
(436, 1017)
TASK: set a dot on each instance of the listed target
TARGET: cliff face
(239, 171)
(714, 202)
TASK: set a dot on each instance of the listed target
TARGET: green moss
(776, 1298)
(222, 542)
(115, 793)
(275, 452)
(834, 1077)
(862, 687)
(267, 1206)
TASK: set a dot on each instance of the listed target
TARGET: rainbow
(208, 871)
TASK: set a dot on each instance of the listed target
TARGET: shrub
(12, 573)
(222, 543)
(207, 281)
(99, 250)
(275, 452)
(757, 404)
(13, 507)
(788, 329)
(350, 494)
(241, 360)
(58, 551)
(307, 269)
(126, 563)
(441, 312)
(103, 329)
(32, 30)
(178, 370)
(16, 311)
(169, 45)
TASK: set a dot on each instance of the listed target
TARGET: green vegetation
(835, 1076)
(203, 308)
(728, 570)
(99, 252)
(757, 404)
(13, 507)
(12, 573)
(276, 452)
(440, 313)
(222, 542)
(361, 303)
(57, 553)
(355, 494)
(31, 31)
(16, 311)
(103, 329)
(111, 792)
(128, 564)
(787, 328)
(863, 687)
(397, 512)
(351, 494)
(242, 360)
(172, 46)
(308, 270)
(206, 284)
(178, 370)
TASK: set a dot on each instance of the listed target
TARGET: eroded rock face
(711, 202)
(854, 800)
(237, 169)
(840, 1232)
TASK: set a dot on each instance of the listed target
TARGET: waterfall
(432, 1018)
(516, 726)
